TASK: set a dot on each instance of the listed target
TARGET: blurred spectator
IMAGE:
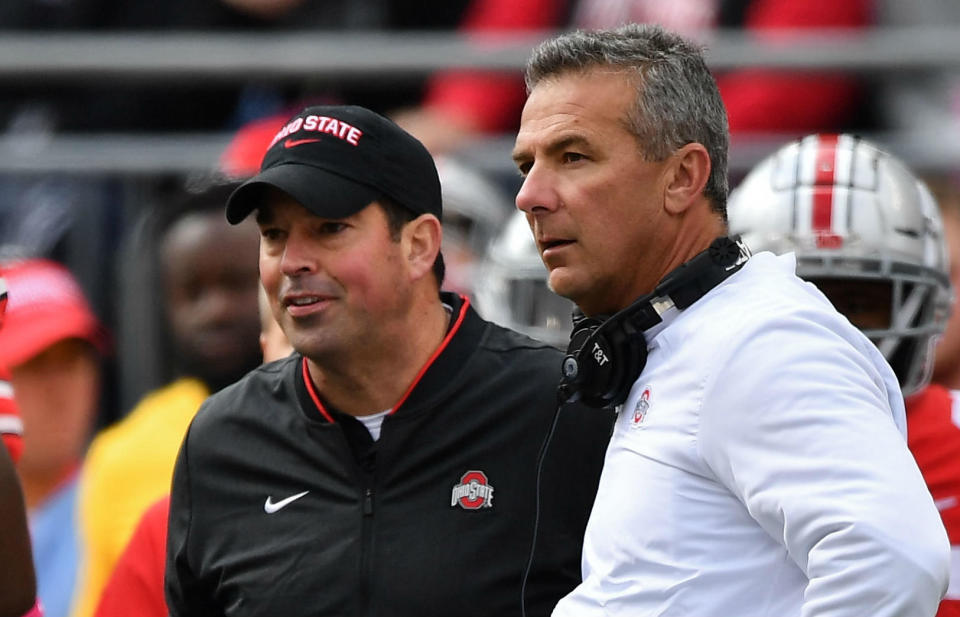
(135, 588)
(70, 220)
(136, 585)
(210, 305)
(52, 344)
(210, 293)
(273, 342)
(459, 105)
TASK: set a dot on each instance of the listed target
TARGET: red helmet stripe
(825, 170)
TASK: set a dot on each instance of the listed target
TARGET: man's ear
(422, 238)
(688, 174)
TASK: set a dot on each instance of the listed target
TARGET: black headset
(606, 354)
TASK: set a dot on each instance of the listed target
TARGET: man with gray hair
(758, 464)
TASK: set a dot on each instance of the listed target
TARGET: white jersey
(758, 468)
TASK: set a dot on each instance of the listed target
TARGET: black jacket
(435, 518)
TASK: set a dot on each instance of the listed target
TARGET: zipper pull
(368, 502)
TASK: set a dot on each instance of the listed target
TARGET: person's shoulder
(250, 406)
(168, 408)
(500, 339)
(766, 317)
(772, 281)
(503, 356)
(183, 393)
(767, 293)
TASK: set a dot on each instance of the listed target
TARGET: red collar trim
(443, 345)
(439, 350)
(313, 392)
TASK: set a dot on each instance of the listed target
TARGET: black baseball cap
(337, 159)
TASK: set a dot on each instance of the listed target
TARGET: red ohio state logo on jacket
(473, 492)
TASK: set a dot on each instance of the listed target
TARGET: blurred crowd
(131, 300)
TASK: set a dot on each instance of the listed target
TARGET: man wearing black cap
(391, 465)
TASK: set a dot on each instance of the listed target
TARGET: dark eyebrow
(562, 143)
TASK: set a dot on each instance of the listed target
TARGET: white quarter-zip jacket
(758, 468)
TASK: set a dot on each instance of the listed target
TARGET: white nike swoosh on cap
(270, 507)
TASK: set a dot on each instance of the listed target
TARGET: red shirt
(933, 435)
(136, 586)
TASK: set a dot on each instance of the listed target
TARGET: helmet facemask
(512, 287)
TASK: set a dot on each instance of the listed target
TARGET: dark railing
(172, 57)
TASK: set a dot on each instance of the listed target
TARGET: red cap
(45, 305)
(244, 153)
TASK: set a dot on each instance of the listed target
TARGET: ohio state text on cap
(336, 160)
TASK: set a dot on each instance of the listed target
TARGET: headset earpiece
(600, 359)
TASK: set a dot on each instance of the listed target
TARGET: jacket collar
(439, 372)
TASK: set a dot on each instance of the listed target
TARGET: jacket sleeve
(185, 592)
(800, 429)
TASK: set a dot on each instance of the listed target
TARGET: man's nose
(538, 192)
(297, 257)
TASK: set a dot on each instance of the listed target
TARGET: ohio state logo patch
(643, 406)
(473, 492)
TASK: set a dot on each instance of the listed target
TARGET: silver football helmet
(512, 287)
(855, 215)
(474, 211)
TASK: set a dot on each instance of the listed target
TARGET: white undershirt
(373, 422)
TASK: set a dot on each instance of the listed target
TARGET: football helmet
(474, 210)
(855, 215)
(512, 287)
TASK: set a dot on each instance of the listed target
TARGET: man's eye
(572, 157)
(332, 227)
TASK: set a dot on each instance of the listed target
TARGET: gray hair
(677, 99)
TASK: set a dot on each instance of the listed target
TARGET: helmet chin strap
(902, 319)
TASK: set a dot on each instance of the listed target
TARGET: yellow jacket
(128, 467)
